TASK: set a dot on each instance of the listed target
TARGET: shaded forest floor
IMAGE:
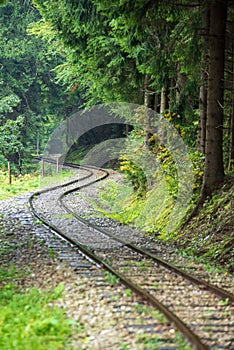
(210, 235)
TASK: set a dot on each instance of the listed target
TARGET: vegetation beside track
(28, 182)
(20, 184)
(208, 237)
(30, 292)
(27, 320)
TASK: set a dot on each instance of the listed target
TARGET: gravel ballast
(108, 315)
(102, 310)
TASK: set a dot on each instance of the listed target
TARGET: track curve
(101, 246)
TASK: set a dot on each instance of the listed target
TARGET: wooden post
(38, 143)
(57, 164)
(42, 168)
(9, 173)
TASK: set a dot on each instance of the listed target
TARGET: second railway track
(204, 313)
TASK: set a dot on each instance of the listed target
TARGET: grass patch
(30, 321)
(117, 201)
(29, 182)
(151, 213)
(20, 184)
(53, 178)
(113, 197)
(209, 235)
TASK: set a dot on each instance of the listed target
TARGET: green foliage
(29, 182)
(20, 184)
(134, 174)
(128, 292)
(209, 235)
(150, 213)
(112, 197)
(198, 160)
(115, 201)
(10, 137)
(8, 102)
(96, 65)
(30, 102)
(52, 177)
(8, 274)
(158, 192)
(224, 302)
(151, 194)
(110, 278)
(28, 321)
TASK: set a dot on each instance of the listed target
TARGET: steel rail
(194, 340)
(179, 324)
(221, 293)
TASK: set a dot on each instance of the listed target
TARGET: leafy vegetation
(31, 103)
(20, 184)
(170, 57)
(159, 52)
(110, 278)
(29, 182)
(28, 321)
(150, 214)
(208, 237)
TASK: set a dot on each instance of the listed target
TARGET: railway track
(202, 312)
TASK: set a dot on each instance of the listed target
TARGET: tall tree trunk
(231, 140)
(180, 84)
(231, 144)
(149, 94)
(164, 104)
(202, 113)
(203, 84)
(149, 102)
(214, 169)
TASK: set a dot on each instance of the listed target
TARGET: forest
(173, 57)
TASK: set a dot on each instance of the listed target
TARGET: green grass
(150, 213)
(110, 278)
(53, 178)
(20, 184)
(29, 182)
(29, 321)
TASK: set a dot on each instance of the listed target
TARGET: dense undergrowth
(28, 320)
(208, 237)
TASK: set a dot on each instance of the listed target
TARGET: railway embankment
(209, 236)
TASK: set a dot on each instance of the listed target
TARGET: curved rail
(184, 329)
(214, 289)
